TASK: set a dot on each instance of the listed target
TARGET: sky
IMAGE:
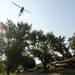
(57, 16)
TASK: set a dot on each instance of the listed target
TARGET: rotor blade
(16, 5)
(27, 11)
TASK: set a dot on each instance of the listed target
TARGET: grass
(1, 73)
(68, 71)
(12, 73)
(64, 71)
(5, 73)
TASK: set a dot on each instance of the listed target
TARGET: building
(70, 62)
(67, 63)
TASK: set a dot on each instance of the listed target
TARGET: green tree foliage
(22, 42)
(17, 37)
(57, 44)
(46, 46)
(41, 49)
(2, 44)
(14, 56)
(72, 43)
(28, 62)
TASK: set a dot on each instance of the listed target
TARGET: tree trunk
(44, 65)
(8, 72)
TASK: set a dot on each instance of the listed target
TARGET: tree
(14, 56)
(28, 62)
(17, 37)
(58, 45)
(41, 49)
(45, 47)
(71, 41)
(2, 44)
(37, 38)
(13, 49)
(20, 42)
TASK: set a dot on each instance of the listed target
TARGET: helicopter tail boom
(16, 5)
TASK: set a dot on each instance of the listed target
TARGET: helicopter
(21, 9)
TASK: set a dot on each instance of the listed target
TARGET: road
(36, 73)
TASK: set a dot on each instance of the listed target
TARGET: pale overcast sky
(57, 16)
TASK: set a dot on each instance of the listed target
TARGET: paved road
(33, 73)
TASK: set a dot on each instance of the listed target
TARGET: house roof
(72, 59)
